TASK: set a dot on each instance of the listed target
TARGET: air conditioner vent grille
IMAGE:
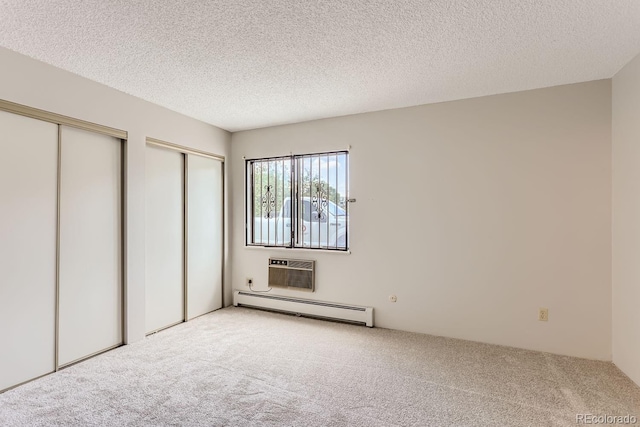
(299, 279)
(307, 265)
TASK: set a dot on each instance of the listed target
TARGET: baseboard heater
(305, 307)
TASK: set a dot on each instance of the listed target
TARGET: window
(298, 201)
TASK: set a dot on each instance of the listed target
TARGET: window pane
(271, 188)
(322, 188)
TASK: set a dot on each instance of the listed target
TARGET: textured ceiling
(245, 64)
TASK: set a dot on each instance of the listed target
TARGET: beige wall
(626, 219)
(35, 84)
(474, 213)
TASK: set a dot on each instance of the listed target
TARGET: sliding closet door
(90, 310)
(28, 187)
(164, 238)
(204, 235)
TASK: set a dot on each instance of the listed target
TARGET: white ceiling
(243, 64)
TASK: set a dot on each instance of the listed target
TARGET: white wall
(626, 219)
(474, 213)
(35, 84)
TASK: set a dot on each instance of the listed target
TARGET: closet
(184, 234)
(61, 241)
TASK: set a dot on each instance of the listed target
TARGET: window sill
(297, 250)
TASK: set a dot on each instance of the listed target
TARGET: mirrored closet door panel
(28, 211)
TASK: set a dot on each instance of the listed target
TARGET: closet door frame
(61, 120)
(185, 235)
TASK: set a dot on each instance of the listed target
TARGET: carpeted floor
(243, 367)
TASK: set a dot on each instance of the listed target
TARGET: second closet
(184, 234)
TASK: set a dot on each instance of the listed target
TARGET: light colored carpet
(243, 367)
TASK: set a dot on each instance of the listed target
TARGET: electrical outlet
(543, 315)
(393, 298)
(249, 281)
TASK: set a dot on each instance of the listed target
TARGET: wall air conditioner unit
(292, 274)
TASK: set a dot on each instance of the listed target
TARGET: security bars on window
(298, 201)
